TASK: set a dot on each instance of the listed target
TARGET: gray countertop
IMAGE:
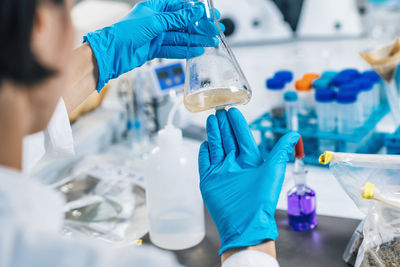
(323, 246)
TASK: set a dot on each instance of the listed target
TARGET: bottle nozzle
(299, 149)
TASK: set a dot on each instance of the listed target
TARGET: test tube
(348, 111)
(353, 87)
(326, 115)
(366, 97)
(376, 80)
(276, 88)
(291, 110)
(306, 96)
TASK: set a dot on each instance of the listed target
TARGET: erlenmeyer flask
(385, 61)
(214, 80)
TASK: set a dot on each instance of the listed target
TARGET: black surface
(323, 246)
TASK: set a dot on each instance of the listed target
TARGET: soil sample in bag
(384, 60)
(387, 254)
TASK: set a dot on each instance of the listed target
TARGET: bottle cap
(303, 85)
(310, 76)
(170, 136)
(325, 95)
(284, 75)
(350, 87)
(371, 75)
(290, 96)
(352, 73)
(341, 79)
(299, 149)
(346, 97)
(329, 75)
(275, 84)
(321, 83)
(364, 84)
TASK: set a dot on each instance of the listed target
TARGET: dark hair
(17, 62)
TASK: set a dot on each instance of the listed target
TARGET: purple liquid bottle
(301, 199)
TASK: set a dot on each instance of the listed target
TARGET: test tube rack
(392, 143)
(364, 139)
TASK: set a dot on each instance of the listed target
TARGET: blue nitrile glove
(153, 29)
(239, 188)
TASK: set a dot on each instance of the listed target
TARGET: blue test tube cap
(371, 75)
(325, 95)
(350, 87)
(321, 83)
(275, 84)
(285, 75)
(290, 96)
(346, 97)
(352, 73)
(329, 75)
(340, 80)
(364, 84)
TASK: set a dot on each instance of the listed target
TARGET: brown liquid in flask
(214, 80)
(217, 98)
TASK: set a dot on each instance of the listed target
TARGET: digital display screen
(177, 71)
(162, 75)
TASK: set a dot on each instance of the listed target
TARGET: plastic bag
(381, 230)
(105, 199)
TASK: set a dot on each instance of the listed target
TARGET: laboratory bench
(322, 246)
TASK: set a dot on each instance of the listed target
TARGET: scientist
(38, 66)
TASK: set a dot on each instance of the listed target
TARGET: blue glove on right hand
(239, 188)
(153, 29)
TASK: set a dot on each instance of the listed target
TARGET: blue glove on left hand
(155, 28)
(239, 188)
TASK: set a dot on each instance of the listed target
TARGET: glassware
(385, 61)
(301, 199)
(214, 80)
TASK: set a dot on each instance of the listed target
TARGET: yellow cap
(368, 191)
(326, 157)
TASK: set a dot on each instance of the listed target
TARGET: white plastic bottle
(174, 203)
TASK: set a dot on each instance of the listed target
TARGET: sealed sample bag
(373, 183)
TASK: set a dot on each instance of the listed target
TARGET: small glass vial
(301, 204)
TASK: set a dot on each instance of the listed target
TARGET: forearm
(267, 247)
(83, 77)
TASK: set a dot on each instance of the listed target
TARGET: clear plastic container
(366, 97)
(214, 80)
(348, 112)
(291, 110)
(326, 114)
(306, 96)
(175, 206)
(276, 89)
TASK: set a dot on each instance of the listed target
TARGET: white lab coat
(31, 216)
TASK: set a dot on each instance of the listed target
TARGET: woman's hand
(153, 29)
(239, 188)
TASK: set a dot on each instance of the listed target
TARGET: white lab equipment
(329, 18)
(175, 206)
(252, 21)
(348, 112)
(291, 110)
(326, 115)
